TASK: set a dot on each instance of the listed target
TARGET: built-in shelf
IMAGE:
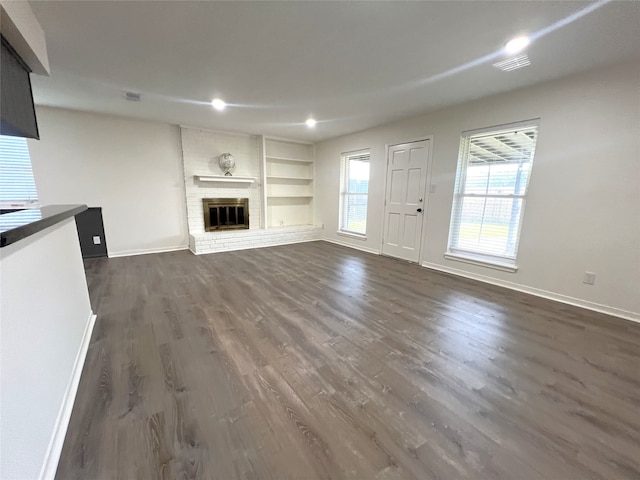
(289, 196)
(224, 179)
(293, 226)
(295, 179)
(286, 159)
(288, 183)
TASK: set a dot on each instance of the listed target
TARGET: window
(490, 192)
(17, 187)
(354, 193)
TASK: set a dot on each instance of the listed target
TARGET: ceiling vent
(132, 96)
(513, 63)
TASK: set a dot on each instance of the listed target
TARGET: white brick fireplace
(200, 152)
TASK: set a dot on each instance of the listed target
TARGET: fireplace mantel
(224, 179)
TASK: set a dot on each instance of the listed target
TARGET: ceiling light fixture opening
(132, 96)
(517, 44)
(218, 104)
(311, 122)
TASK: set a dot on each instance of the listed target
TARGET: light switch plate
(96, 240)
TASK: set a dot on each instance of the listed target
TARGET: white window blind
(17, 187)
(354, 193)
(490, 192)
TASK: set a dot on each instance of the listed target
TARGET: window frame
(345, 159)
(506, 261)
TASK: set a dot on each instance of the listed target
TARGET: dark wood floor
(315, 361)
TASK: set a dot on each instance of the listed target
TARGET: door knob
(419, 210)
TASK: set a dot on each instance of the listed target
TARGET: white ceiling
(351, 65)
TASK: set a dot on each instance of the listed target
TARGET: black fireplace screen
(225, 213)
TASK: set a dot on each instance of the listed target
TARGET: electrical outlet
(96, 240)
(589, 278)
(323, 226)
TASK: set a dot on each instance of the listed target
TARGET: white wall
(130, 168)
(45, 325)
(583, 209)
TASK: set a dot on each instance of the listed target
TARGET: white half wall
(583, 209)
(45, 326)
(130, 168)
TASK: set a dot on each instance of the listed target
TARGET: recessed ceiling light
(517, 44)
(311, 122)
(218, 104)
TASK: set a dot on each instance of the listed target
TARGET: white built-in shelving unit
(288, 182)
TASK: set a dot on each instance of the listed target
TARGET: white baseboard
(351, 245)
(577, 302)
(54, 450)
(129, 253)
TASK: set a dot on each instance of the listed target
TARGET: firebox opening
(225, 213)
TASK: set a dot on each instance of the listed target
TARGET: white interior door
(404, 200)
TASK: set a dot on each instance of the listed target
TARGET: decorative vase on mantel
(227, 163)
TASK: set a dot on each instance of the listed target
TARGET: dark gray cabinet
(93, 242)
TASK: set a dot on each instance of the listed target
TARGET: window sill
(357, 236)
(481, 261)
